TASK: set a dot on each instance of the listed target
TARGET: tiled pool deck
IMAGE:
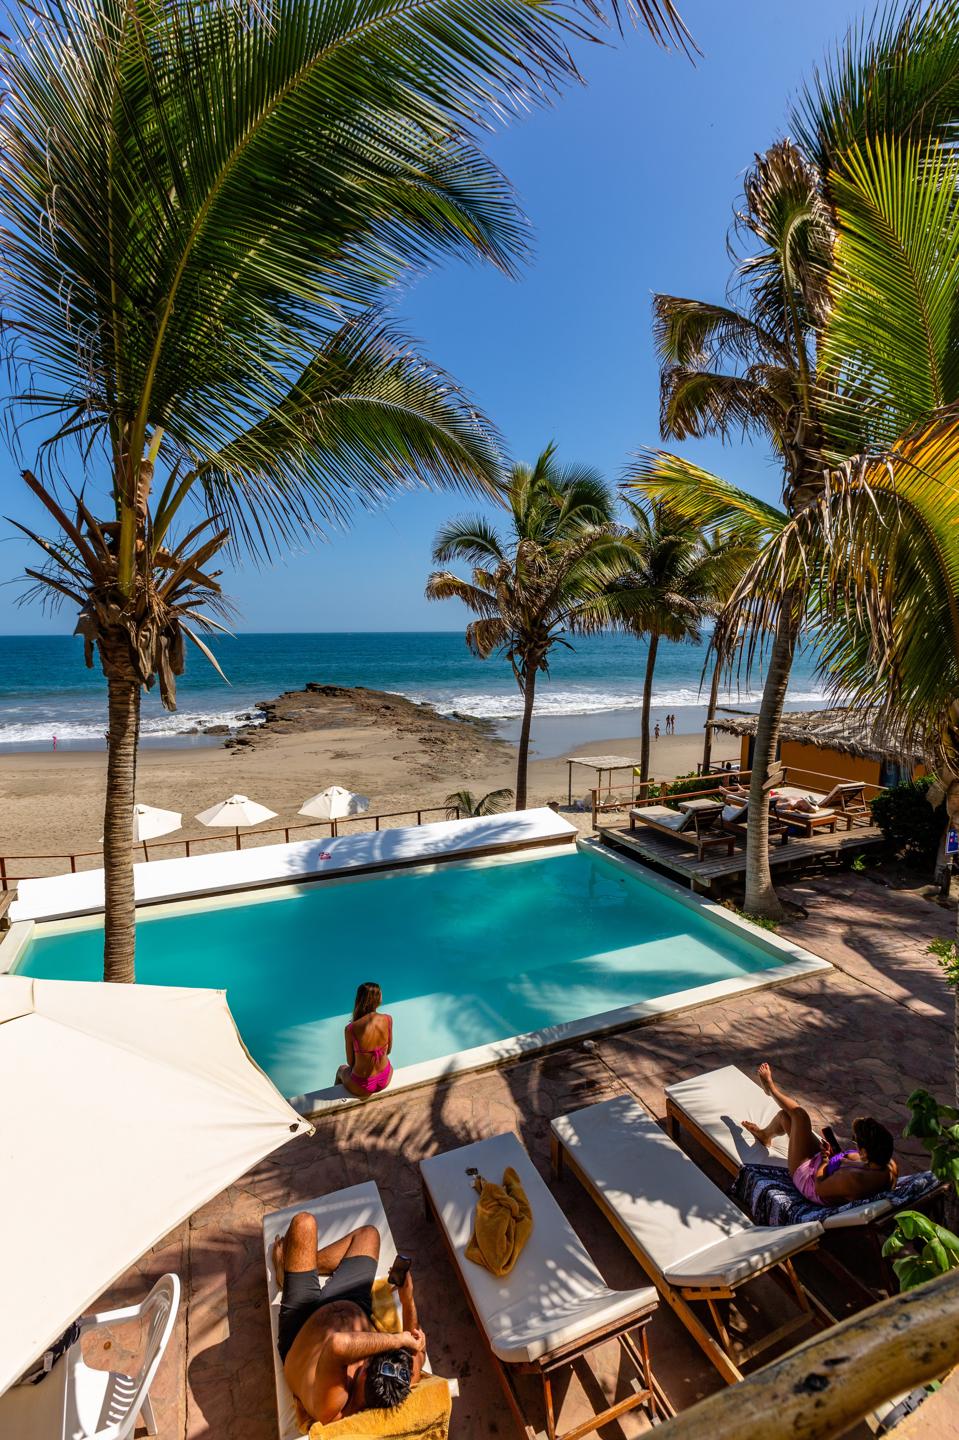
(854, 1039)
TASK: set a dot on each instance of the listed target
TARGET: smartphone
(399, 1270)
(829, 1135)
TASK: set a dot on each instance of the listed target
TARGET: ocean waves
(553, 700)
(39, 730)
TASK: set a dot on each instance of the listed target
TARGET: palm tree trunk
(647, 699)
(119, 927)
(711, 711)
(522, 759)
(761, 897)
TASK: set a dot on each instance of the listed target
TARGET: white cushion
(717, 1101)
(662, 815)
(554, 1295)
(734, 812)
(732, 1260)
(680, 1221)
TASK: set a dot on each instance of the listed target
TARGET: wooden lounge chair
(698, 824)
(695, 1245)
(735, 815)
(710, 1108)
(554, 1307)
(336, 1215)
(809, 821)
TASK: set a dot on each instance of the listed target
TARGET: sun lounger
(710, 1107)
(693, 1242)
(698, 825)
(336, 1215)
(735, 817)
(554, 1307)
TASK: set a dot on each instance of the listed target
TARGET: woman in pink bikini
(369, 1040)
(824, 1174)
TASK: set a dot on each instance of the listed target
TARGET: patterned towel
(767, 1193)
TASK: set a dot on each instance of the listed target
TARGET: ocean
(593, 691)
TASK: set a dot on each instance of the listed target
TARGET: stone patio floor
(856, 1039)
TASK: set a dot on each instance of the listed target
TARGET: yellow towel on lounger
(503, 1224)
(423, 1415)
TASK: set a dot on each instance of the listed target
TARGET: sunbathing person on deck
(369, 1040)
(334, 1361)
(823, 1175)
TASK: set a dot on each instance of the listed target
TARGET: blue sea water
(465, 956)
(45, 689)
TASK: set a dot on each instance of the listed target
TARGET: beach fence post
(569, 771)
(3, 873)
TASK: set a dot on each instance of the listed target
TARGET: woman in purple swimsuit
(822, 1175)
(369, 1040)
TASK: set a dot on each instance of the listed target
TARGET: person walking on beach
(369, 1040)
(656, 731)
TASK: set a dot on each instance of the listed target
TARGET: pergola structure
(599, 763)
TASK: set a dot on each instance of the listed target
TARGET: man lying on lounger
(334, 1361)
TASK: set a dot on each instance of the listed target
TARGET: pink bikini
(379, 1080)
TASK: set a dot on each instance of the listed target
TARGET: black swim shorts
(303, 1295)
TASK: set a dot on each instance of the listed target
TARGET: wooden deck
(714, 870)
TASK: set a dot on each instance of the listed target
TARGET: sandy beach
(403, 756)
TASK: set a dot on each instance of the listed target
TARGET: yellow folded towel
(423, 1415)
(503, 1224)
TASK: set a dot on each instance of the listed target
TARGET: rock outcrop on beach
(432, 744)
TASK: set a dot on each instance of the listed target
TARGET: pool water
(466, 954)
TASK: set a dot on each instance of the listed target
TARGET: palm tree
(464, 804)
(203, 206)
(551, 577)
(751, 368)
(677, 578)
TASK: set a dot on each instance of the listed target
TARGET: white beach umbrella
(234, 812)
(126, 1108)
(335, 803)
(149, 823)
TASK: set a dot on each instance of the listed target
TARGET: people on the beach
(656, 731)
(369, 1040)
(826, 1175)
(334, 1361)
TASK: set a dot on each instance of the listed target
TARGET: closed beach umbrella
(234, 812)
(335, 803)
(126, 1108)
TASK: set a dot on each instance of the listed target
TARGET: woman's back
(372, 1036)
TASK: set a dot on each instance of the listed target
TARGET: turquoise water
(465, 955)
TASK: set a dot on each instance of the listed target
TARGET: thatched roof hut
(848, 731)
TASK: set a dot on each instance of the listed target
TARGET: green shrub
(909, 822)
(693, 784)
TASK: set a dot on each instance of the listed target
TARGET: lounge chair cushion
(734, 812)
(717, 1101)
(662, 815)
(769, 1195)
(555, 1295)
(683, 1223)
(787, 812)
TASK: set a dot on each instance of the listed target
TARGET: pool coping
(797, 963)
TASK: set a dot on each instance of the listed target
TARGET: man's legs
(297, 1249)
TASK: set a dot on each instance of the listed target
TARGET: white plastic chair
(104, 1404)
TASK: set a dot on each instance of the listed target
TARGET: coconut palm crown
(551, 577)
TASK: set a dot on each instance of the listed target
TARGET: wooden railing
(655, 792)
(199, 844)
(824, 1387)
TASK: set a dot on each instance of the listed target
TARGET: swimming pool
(468, 955)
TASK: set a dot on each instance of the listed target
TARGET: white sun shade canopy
(236, 812)
(335, 803)
(126, 1107)
(149, 822)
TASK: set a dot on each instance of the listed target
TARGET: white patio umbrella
(149, 823)
(234, 812)
(126, 1108)
(334, 803)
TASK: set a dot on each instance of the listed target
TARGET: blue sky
(629, 182)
